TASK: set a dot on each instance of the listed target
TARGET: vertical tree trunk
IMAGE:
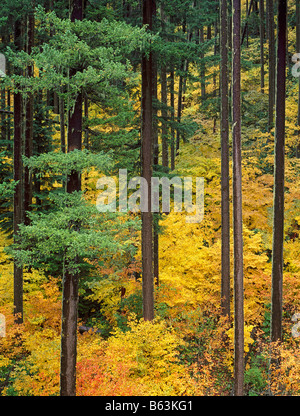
(224, 127)
(147, 248)
(70, 282)
(246, 26)
(164, 100)
(262, 33)
(62, 124)
(164, 116)
(18, 195)
(237, 204)
(172, 116)
(179, 107)
(154, 101)
(271, 38)
(202, 65)
(155, 154)
(29, 124)
(216, 52)
(278, 214)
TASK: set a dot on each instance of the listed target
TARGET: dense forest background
(138, 303)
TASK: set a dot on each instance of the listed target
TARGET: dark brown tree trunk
(262, 35)
(18, 177)
(179, 107)
(62, 124)
(164, 100)
(70, 281)
(237, 204)
(278, 214)
(224, 127)
(155, 155)
(29, 124)
(202, 65)
(164, 116)
(172, 105)
(147, 248)
(271, 38)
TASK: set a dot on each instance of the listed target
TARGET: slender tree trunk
(202, 65)
(179, 107)
(172, 105)
(225, 279)
(278, 214)
(271, 38)
(164, 100)
(147, 248)
(154, 113)
(262, 33)
(237, 204)
(164, 116)
(155, 154)
(70, 281)
(29, 124)
(154, 101)
(216, 52)
(18, 195)
(62, 124)
(86, 117)
(246, 26)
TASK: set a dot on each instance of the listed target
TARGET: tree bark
(18, 195)
(261, 35)
(70, 281)
(237, 204)
(179, 107)
(172, 105)
(224, 127)
(271, 38)
(147, 248)
(278, 213)
(29, 124)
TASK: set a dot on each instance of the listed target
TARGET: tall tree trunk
(70, 281)
(18, 177)
(62, 124)
(29, 123)
(202, 65)
(237, 204)
(164, 100)
(179, 107)
(278, 213)
(271, 38)
(155, 223)
(172, 116)
(164, 116)
(224, 127)
(154, 100)
(262, 35)
(147, 248)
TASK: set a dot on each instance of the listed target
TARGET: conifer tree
(279, 165)
(146, 156)
(224, 128)
(71, 278)
(237, 203)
